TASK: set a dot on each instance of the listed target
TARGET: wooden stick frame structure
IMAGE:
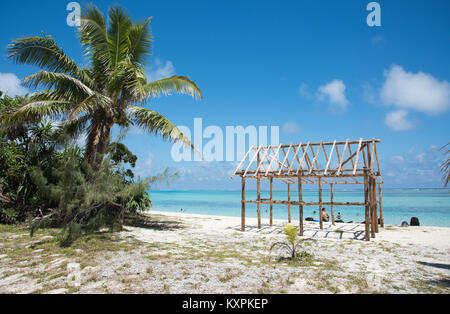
(322, 163)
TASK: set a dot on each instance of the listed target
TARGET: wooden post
(320, 203)
(332, 206)
(374, 204)
(300, 199)
(258, 189)
(289, 206)
(366, 200)
(243, 205)
(372, 215)
(381, 206)
(271, 199)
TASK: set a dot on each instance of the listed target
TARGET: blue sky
(313, 68)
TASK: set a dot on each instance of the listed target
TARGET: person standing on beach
(325, 216)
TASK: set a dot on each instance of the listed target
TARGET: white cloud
(418, 91)
(291, 127)
(397, 121)
(11, 85)
(335, 92)
(304, 91)
(414, 169)
(368, 93)
(161, 70)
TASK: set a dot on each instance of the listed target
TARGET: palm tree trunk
(103, 143)
(91, 145)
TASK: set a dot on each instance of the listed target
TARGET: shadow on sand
(312, 230)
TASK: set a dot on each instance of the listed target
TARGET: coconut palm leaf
(45, 53)
(157, 124)
(173, 84)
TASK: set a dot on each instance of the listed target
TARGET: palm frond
(173, 84)
(157, 124)
(119, 28)
(45, 53)
(140, 42)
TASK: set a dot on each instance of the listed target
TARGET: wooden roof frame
(334, 162)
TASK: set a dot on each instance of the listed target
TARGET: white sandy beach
(189, 253)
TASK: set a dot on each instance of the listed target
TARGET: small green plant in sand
(292, 245)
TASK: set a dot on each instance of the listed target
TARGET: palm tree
(107, 91)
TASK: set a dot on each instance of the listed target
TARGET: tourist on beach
(339, 217)
(325, 216)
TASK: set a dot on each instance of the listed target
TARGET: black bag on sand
(414, 221)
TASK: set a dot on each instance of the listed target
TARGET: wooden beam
(242, 161)
(303, 158)
(293, 159)
(314, 158)
(342, 158)
(261, 160)
(329, 159)
(253, 159)
(274, 157)
(357, 156)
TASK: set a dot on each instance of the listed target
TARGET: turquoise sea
(431, 206)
